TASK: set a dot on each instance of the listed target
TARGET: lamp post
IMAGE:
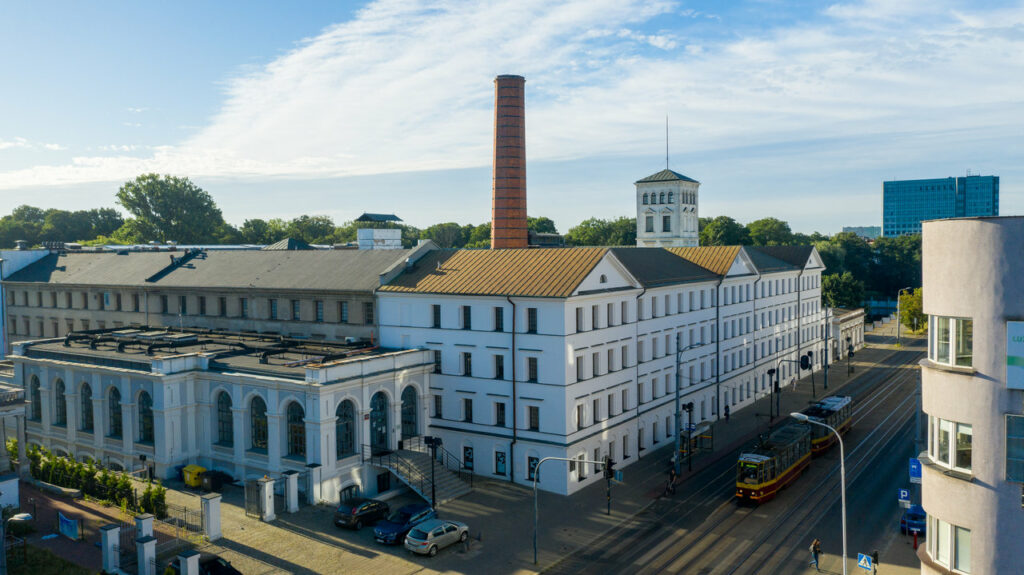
(777, 389)
(3, 538)
(433, 443)
(898, 294)
(828, 347)
(842, 471)
(679, 415)
(608, 462)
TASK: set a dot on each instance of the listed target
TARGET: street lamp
(433, 443)
(849, 354)
(3, 538)
(828, 346)
(842, 471)
(898, 294)
(679, 415)
(777, 389)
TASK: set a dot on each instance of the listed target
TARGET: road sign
(691, 427)
(864, 561)
(915, 470)
(904, 496)
(618, 475)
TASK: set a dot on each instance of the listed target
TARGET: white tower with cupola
(666, 210)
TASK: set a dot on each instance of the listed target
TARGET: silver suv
(430, 536)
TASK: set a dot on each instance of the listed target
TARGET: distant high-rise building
(907, 203)
(866, 232)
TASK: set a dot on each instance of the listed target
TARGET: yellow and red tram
(774, 464)
(834, 411)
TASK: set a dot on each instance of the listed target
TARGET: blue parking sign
(864, 561)
(915, 470)
(904, 495)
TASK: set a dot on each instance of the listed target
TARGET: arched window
(296, 430)
(671, 197)
(345, 430)
(145, 417)
(604, 279)
(225, 423)
(645, 199)
(36, 409)
(258, 422)
(60, 404)
(410, 425)
(661, 198)
(114, 412)
(86, 406)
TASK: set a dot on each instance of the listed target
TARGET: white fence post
(267, 497)
(291, 491)
(146, 548)
(111, 537)
(144, 525)
(189, 562)
(211, 516)
(313, 490)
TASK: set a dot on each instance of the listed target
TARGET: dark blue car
(394, 529)
(913, 519)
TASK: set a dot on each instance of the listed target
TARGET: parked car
(914, 518)
(209, 564)
(394, 529)
(435, 534)
(357, 512)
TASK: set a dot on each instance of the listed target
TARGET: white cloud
(406, 86)
(25, 144)
(136, 110)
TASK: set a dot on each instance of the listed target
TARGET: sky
(796, 110)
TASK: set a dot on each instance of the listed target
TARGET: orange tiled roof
(551, 272)
(717, 259)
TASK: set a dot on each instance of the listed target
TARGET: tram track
(724, 529)
(632, 544)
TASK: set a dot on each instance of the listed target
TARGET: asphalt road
(702, 530)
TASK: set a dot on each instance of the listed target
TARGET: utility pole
(679, 384)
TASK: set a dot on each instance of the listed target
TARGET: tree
(895, 264)
(311, 229)
(173, 208)
(446, 235)
(770, 232)
(104, 221)
(598, 232)
(724, 231)
(540, 225)
(842, 290)
(912, 309)
(480, 236)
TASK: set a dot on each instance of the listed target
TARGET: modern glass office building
(906, 203)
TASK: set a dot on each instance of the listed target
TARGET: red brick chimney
(508, 197)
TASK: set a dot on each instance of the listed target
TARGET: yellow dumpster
(191, 475)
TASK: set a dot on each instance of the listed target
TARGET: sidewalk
(503, 513)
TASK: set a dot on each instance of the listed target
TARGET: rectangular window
(222, 304)
(342, 312)
(611, 360)
(666, 223)
(579, 368)
(611, 404)
(438, 406)
(533, 417)
(499, 319)
(85, 300)
(467, 409)
(595, 361)
(579, 319)
(624, 313)
(319, 307)
(625, 358)
(625, 399)
(625, 446)
(499, 414)
(597, 409)
(580, 424)
(135, 302)
(368, 313)
(202, 305)
(435, 314)
(1015, 448)
(962, 549)
(117, 301)
(467, 317)
(437, 361)
(273, 309)
(467, 364)
(243, 305)
(164, 308)
(296, 310)
(594, 317)
(531, 369)
(182, 305)
(649, 224)
(582, 474)
(531, 320)
(499, 366)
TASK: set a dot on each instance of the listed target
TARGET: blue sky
(797, 110)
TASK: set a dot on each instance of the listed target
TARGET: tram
(834, 411)
(774, 464)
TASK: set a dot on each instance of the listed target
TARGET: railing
(13, 396)
(393, 460)
(444, 457)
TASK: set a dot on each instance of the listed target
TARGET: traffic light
(688, 407)
(805, 361)
(609, 467)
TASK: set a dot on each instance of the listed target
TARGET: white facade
(604, 360)
(666, 211)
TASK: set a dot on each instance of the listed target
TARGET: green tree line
(166, 208)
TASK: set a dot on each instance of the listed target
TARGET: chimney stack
(508, 197)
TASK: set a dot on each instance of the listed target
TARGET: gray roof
(321, 270)
(794, 255)
(764, 262)
(666, 176)
(368, 217)
(288, 244)
(654, 267)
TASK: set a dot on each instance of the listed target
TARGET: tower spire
(666, 141)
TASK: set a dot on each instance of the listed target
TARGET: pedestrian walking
(815, 553)
(726, 412)
(793, 384)
(670, 489)
(874, 562)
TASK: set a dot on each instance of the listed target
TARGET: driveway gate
(253, 501)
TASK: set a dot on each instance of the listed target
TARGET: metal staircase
(412, 465)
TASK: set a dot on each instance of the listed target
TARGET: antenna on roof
(666, 141)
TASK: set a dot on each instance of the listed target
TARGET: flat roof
(261, 354)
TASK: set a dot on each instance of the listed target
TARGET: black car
(209, 564)
(357, 512)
